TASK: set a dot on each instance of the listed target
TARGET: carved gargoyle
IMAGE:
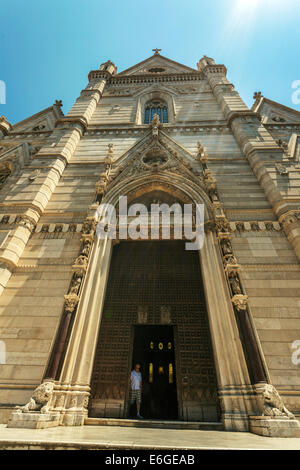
(40, 399)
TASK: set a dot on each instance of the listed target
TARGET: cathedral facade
(216, 330)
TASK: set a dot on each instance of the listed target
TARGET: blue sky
(48, 47)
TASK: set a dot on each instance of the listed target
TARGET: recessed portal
(153, 349)
(155, 313)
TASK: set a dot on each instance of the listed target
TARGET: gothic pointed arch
(155, 94)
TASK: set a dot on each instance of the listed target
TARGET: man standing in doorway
(136, 388)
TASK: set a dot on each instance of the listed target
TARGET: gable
(157, 65)
(40, 122)
(156, 152)
(275, 113)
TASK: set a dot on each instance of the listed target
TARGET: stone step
(147, 423)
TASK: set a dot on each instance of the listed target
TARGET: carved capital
(89, 226)
(71, 301)
(23, 221)
(290, 217)
(240, 302)
(230, 264)
(80, 264)
(223, 226)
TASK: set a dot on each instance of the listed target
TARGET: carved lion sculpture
(273, 404)
(40, 399)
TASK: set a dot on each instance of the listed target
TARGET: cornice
(150, 78)
(213, 127)
(286, 125)
(271, 267)
(99, 74)
(67, 120)
(241, 114)
(218, 69)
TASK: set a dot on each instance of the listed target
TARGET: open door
(153, 349)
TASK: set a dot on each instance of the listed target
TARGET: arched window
(156, 107)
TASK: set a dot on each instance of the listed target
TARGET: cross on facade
(156, 51)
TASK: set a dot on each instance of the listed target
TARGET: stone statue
(273, 404)
(40, 399)
(235, 283)
(226, 245)
(75, 286)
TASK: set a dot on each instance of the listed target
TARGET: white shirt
(136, 379)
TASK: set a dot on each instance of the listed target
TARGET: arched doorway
(155, 314)
(236, 395)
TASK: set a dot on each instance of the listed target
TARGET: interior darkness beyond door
(153, 349)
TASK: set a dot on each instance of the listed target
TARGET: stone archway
(234, 386)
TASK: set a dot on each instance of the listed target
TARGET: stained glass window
(156, 107)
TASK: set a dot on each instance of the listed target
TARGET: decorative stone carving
(34, 175)
(270, 226)
(210, 184)
(23, 221)
(45, 228)
(86, 246)
(75, 284)
(223, 226)
(71, 301)
(240, 227)
(202, 154)
(165, 314)
(58, 228)
(155, 158)
(88, 226)
(80, 265)
(273, 404)
(282, 170)
(142, 314)
(226, 246)
(284, 146)
(277, 118)
(39, 127)
(255, 226)
(5, 219)
(257, 95)
(240, 302)
(235, 283)
(290, 217)
(210, 226)
(40, 399)
(34, 149)
(155, 125)
(230, 264)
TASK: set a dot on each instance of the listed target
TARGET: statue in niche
(235, 283)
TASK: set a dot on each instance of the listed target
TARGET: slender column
(75, 376)
(59, 346)
(235, 390)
